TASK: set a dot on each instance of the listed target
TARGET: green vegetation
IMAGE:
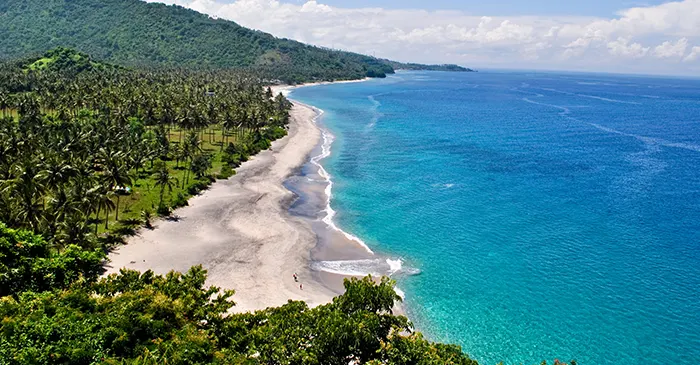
(91, 151)
(84, 145)
(136, 33)
(134, 318)
(87, 149)
(64, 60)
(30, 264)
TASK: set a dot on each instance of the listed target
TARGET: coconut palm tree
(163, 179)
(55, 172)
(115, 175)
(27, 189)
(105, 202)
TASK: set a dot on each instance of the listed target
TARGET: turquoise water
(550, 215)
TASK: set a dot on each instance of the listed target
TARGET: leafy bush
(198, 186)
(226, 172)
(163, 210)
(146, 218)
(200, 165)
(180, 201)
(145, 318)
(27, 262)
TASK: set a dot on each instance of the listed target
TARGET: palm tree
(163, 179)
(55, 173)
(115, 175)
(105, 203)
(228, 124)
(191, 148)
(4, 102)
(80, 137)
(62, 207)
(28, 189)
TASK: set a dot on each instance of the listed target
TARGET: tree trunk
(184, 178)
(116, 218)
(223, 138)
(97, 218)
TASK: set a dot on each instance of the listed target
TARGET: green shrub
(226, 172)
(30, 263)
(163, 210)
(179, 201)
(198, 186)
(144, 318)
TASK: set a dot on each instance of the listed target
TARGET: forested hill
(419, 67)
(135, 33)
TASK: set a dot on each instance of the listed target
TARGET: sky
(645, 37)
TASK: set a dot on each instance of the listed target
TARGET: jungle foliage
(82, 142)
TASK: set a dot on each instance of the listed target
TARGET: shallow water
(550, 215)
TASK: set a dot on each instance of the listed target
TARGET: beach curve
(240, 230)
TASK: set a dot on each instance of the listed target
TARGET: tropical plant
(29, 263)
(163, 179)
(146, 217)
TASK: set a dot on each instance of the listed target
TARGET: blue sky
(650, 37)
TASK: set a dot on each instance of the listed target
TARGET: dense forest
(75, 133)
(90, 152)
(136, 33)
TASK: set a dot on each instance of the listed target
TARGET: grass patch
(144, 197)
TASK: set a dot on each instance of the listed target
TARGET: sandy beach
(240, 230)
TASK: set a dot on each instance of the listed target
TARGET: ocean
(525, 215)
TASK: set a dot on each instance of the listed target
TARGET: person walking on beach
(295, 277)
(301, 287)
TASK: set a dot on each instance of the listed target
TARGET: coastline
(338, 254)
(286, 89)
(240, 230)
(244, 230)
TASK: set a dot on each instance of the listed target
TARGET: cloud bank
(653, 39)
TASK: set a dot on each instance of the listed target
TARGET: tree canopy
(150, 319)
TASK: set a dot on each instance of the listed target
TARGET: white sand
(286, 89)
(240, 230)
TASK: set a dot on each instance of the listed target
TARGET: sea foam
(328, 139)
(363, 267)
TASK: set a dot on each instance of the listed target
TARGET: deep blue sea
(550, 215)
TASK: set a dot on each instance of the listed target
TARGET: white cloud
(670, 49)
(622, 47)
(314, 7)
(693, 55)
(472, 40)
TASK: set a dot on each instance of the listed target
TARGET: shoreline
(286, 89)
(244, 233)
(241, 230)
(338, 254)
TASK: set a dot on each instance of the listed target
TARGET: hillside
(64, 59)
(135, 33)
(419, 67)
